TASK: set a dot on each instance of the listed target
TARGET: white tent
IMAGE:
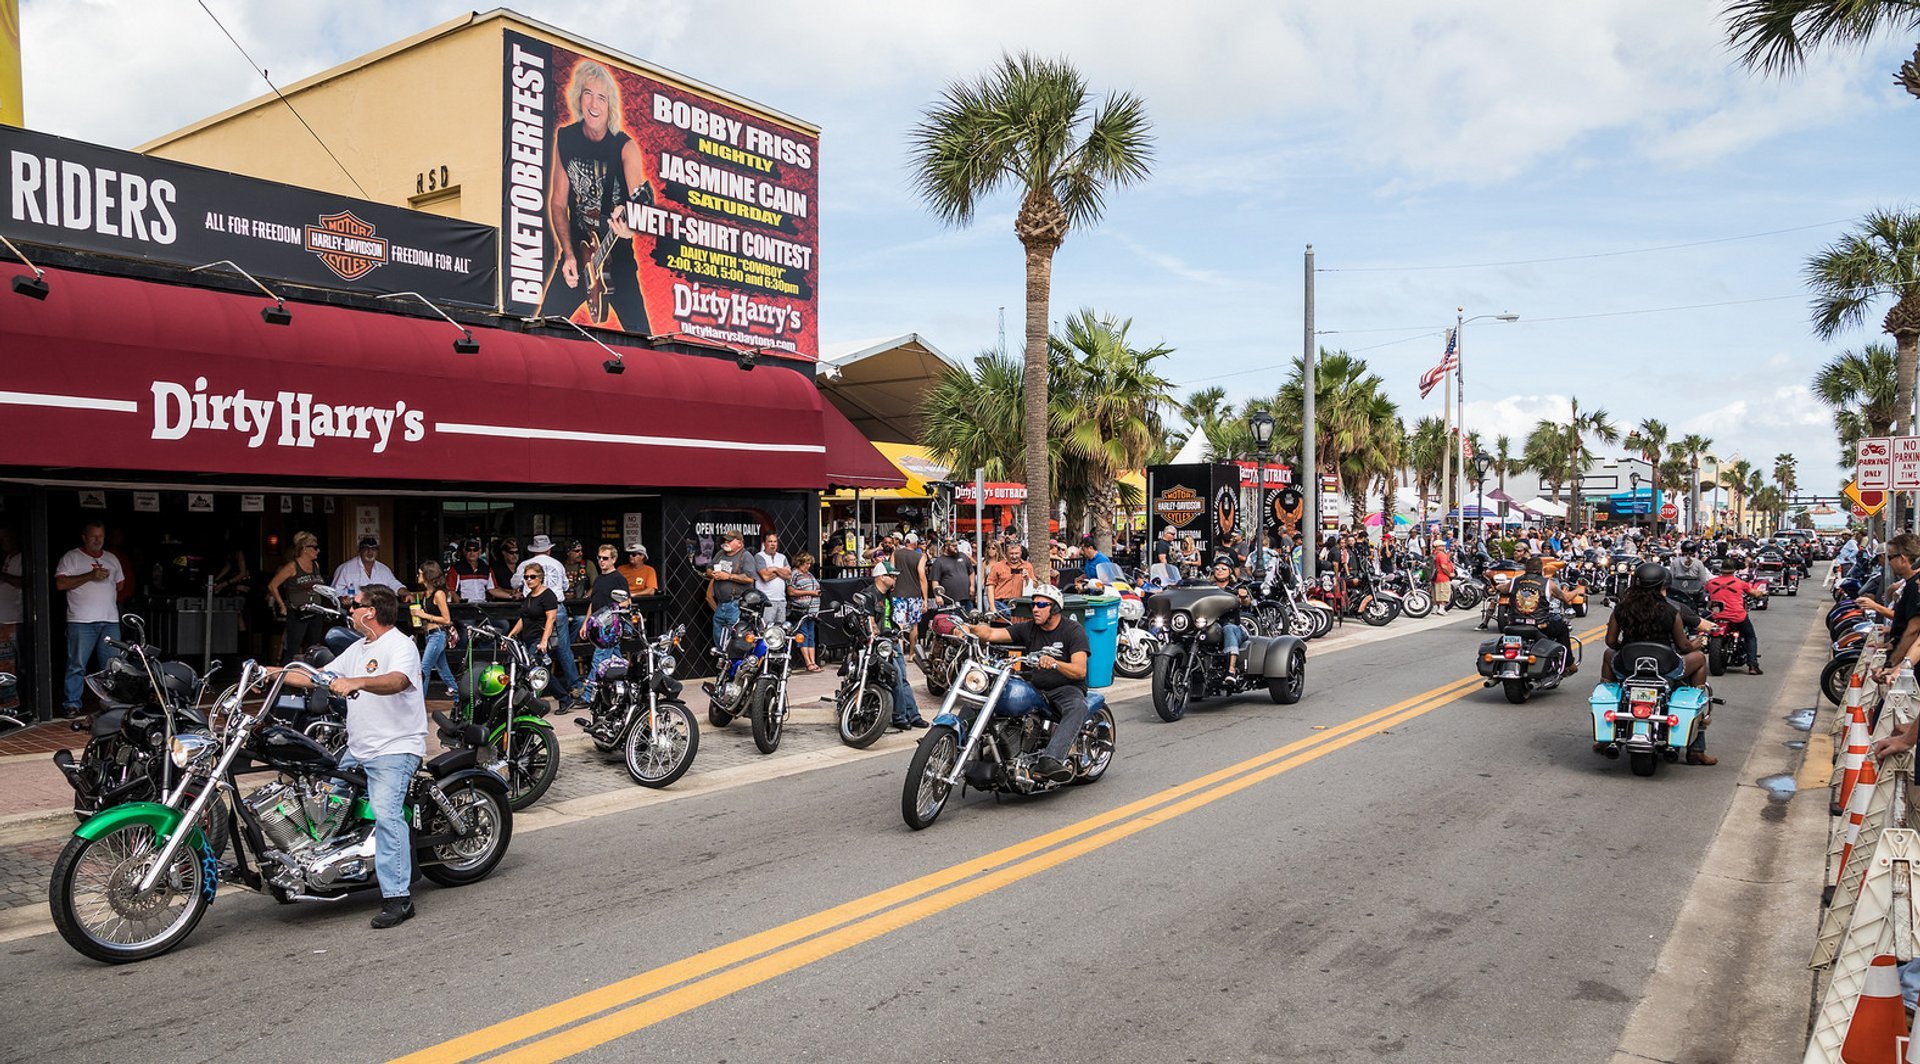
(1194, 450)
(1545, 506)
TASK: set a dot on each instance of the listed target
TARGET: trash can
(1100, 616)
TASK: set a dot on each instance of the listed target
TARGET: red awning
(118, 373)
(852, 462)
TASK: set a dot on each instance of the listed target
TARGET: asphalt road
(1456, 880)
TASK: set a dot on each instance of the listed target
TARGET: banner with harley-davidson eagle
(635, 202)
(71, 194)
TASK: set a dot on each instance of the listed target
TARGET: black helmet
(753, 600)
(1223, 560)
(1650, 576)
(1688, 546)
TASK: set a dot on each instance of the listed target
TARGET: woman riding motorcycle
(1645, 616)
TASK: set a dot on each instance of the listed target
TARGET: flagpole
(1460, 444)
(1446, 481)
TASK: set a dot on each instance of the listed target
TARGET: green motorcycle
(501, 695)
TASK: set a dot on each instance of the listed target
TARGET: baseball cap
(732, 537)
(885, 569)
(369, 541)
(912, 537)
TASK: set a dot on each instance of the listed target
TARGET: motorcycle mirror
(139, 627)
(621, 597)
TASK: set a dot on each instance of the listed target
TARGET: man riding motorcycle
(1530, 599)
(1232, 635)
(1731, 593)
(1056, 658)
(1690, 575)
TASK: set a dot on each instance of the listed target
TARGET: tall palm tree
(1733, 475)
(1862, 389)
(1030, 125)
(1426, 451)
(1504, 462)
(1786, 473)
(1695, 447)
(1593, 423)
(1878, 259)
(1677, 467)
(972, 417)
(1358, 435)
(1648, 440)
(1775, 36)
(1756, 484)
(1545, 451)
(1114, 396)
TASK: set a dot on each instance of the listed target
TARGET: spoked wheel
(766, 717)
(937, 666)
(661, 753)
(1417, 604)
(1171, 691)
(1096, 746)
(861, 724)
(1273, 619)
(99, 908)
(1303, 624)
(926, 790)
(1286, 690)
(471, 857)
(534, 764)
(1379, 612)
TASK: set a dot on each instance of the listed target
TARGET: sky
(1433, 153)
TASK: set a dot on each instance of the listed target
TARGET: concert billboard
(651, 206)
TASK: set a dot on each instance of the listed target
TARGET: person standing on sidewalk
(386, 736)
(911, 565)
(92, 580)
(600, 597)
(433, 613)
(541, 553)
(727, 580)
(1442, 577)
(804, 592)
(771, 570)
(293, 588)
(364, 569)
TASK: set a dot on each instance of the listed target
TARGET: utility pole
(1309, 442)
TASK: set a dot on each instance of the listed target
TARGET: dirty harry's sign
(66, 193)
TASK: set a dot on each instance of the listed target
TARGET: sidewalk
(36, 803)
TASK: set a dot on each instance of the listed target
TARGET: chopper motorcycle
(135, 879)
(503, 697)
(863, 703)
(1193, 663)
(636, 699)
(988, 732)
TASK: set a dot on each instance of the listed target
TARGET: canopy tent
(1376, 519)
(878, 385)
(917, 470)
(1193, 451)
(1544, 507)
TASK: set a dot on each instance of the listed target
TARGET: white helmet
(1048, 591)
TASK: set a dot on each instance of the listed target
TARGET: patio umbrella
(1375, 519)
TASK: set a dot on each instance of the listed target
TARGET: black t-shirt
(1162, 552)
(604, 585)
(596, 180)
(1904, 608)
(1067, 639)
(533, 610)
(950, 575)
(1658, 631)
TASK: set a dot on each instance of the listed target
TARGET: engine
(298, 817)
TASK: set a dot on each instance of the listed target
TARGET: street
(1403, 866)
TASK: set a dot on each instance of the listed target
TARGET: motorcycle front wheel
(765, 717)
(471, 857)
(1322, 621)
(661, 754)
(861, 724)
(97, 906)
(1170, 686)
(1834, 677)
(534, 763)
(1379, 612)
(1417, 604)
(926, 790)
(1135, 659)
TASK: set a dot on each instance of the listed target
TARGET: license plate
(1643, 694)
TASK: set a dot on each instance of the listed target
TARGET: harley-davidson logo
(1179, 506)
(1226, 510)
(347, 245)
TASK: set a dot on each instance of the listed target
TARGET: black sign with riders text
(70, 194)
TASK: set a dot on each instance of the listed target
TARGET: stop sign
(1669, 512)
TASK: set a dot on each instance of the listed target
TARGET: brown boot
(1754, 670)
(1695, 757)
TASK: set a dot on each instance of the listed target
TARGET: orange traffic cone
(1879, 1020)
(1856, 815)
(1857, 741)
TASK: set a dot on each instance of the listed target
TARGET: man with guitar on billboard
(597, 171)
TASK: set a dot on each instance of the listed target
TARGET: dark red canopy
(119, 373)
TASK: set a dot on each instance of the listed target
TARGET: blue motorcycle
(988, 732)
(1647, 714)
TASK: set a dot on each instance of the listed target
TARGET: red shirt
(1731, 593)
(1442, 564)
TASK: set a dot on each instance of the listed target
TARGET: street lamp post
(1262, 425)
(1633, 478)
(1481, 465)
(1457, 447)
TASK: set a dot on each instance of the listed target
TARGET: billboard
(67, 193)
(635, 203)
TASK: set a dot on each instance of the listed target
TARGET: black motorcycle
(636, 701)
(1523, 659)
(502, 696)
(863, 704)
(936, 652)
(145, 703)
(1192, 664)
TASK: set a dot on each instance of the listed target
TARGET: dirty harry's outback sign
(636, 202)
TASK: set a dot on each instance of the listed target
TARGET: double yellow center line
(637, 1002)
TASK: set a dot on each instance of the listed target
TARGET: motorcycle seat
(177, 677)
(1530, 631)
(1651, 659)
(107, 722)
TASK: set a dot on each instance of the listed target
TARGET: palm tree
(1199, 409)
(1694, 446)
(1786, 473)
(1504, 462)
(971, 417)
(1861, 388)
(1358, 433)
(1774, 36)
(1648, 440)
(1595, 423)
(1545, 452)
(1879, 258)
(1734, 476)
(1114, 397)
(1677, 468)
(1029, 125)
(1426, 451)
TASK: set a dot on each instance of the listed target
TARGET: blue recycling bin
(1100, 616)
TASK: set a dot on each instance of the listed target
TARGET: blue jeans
(807, 630)
(1233, 636)
(85, 641)
(388, 777)
(601, 655)
(436, 655)
(725, 616)
(905, 709)
(563, 648)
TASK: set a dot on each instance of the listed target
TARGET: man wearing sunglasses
(1056, 660)
(386, 735)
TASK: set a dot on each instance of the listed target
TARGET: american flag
(1449, 361)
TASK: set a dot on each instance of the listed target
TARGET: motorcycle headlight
(775, 638)
(974, 683)
(537, 678)
(185, 748)
(1132, 610)
(665, 663)
(885, 650)
(1181, 621)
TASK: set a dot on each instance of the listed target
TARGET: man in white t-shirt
(92, 579)
(364, 569)
(771, 570)
(386, 735)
